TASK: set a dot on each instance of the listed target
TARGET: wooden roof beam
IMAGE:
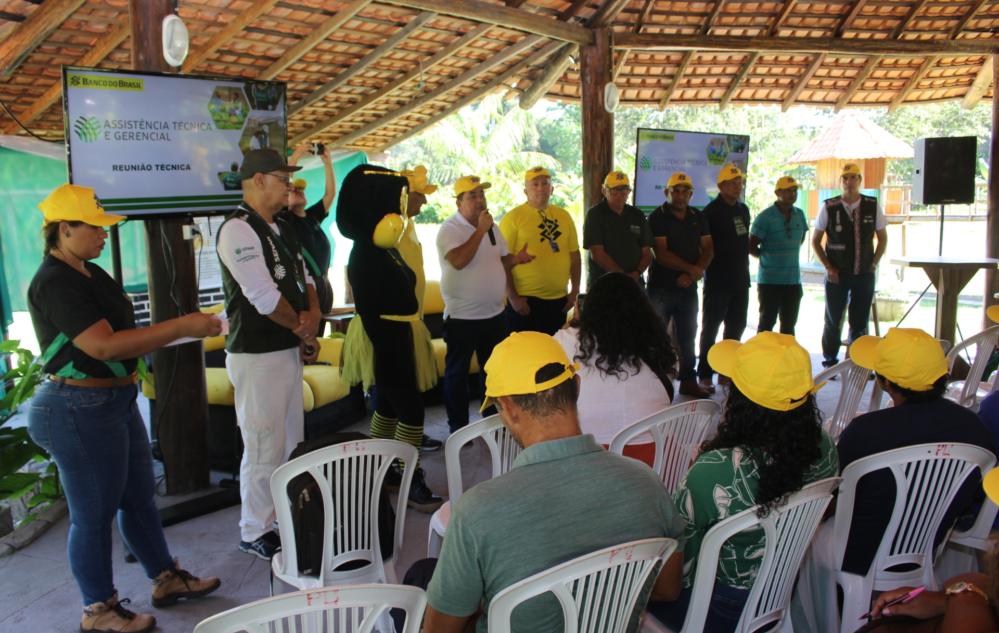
(802, 83)
(855, 10)
(245, 17)
(552, 73)
(103, 47)
(307, 43)
(362, 63)
(504, 16)
(968, 17)
(438, 92)
(916, 7)
(847, 46)
(677, 78)
(477, 93)
(899, 99)
(637, 28)
(33, 31)
(981, 84)
(391, 87)
(715, 10)
(858, 81)
(781, 17)
(750, 62)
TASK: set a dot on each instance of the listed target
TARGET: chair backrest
(977, 535)
(789, 531)
(348, 608)
(350, 477)
(679, 431)
(927, 478)
(853, 384)
(598, 592)
(502, 448)
(986, 343)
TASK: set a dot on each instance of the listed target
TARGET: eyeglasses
(624, 190)
(285, 179)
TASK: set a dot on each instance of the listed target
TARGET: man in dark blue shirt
(726, 281)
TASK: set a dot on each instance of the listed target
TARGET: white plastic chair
(502, 448)
(679, 431)
(970, 391)
(977, 536)
(351, 608)
(789, 531)
(927, 477)
(598, 592)
(853, 384)
(356, 471)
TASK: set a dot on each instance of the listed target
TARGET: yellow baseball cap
(785, 183)
(513, 364)
(468, 183)
(729, 173)
(418, 180)
(993, 313)
(76, 204)
(991, 484)
(850, 168)
(617, 179)
(299, 184)
(771, 369)
(679, 178)
(536, 172)
(909, 357)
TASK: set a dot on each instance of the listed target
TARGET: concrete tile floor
(38, 593)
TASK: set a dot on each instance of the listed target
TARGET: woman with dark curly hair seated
(769, 445)
(627, 361)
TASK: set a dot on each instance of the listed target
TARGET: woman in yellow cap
(84, 414)
(770, 444)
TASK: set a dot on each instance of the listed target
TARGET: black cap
(261, 161)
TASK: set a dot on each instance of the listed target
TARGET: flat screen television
(158, 144)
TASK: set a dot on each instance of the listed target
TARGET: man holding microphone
(473, 258)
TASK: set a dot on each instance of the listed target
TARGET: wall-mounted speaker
(944, 170)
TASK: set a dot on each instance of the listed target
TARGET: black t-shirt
(729, 270)
(898, 427)
(62, 300)
(312, 237)
(683, 237)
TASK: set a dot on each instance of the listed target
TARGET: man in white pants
(273, 315)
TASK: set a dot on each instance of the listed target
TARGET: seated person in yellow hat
(770, 444)
(564, 497)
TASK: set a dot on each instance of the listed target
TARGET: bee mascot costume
(387, 344)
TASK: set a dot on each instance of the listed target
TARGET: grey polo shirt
(562, 499)
(622, 236)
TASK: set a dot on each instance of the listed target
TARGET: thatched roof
(852, 136)
(366, 74)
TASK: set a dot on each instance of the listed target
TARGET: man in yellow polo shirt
(536, 295)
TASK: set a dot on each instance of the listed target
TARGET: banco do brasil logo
(646, 163)
(74, 80)
(87, 130)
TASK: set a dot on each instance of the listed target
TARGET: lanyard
(284, 247)
(546, 226)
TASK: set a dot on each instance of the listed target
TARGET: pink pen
(901, 600)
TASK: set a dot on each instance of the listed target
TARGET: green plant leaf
(14, 458)
(17, 484)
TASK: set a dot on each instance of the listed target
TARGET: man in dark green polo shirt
(616, 234)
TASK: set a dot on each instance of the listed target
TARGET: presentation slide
(157, 144)
(661, 153)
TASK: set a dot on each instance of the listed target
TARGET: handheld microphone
(492, 236)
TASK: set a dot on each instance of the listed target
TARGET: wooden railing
(898, 205)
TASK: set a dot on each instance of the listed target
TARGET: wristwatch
(965, 587)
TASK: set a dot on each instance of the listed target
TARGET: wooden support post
(598, 123)
(181, 394)
(992, 219)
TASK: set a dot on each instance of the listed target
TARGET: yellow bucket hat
(76, 204)
(418, 180)
(771, 369)
(909, 357)
(513, 364)
(468, 183)
(679, 178)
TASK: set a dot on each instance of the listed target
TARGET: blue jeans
(98, 440)
(681, 306)
(727, 604)
(858, 292)
(721, 306)
(463, 338)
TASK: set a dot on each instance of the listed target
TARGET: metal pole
(942, 210)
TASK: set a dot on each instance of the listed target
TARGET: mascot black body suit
(387, 345)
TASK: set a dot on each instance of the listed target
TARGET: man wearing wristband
(849, 223)
(273, 315)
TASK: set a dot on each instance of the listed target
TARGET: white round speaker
(612, 96)
(175, 40)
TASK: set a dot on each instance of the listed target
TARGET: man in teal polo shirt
(616, 234)
(775, 239)
(564, 497)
